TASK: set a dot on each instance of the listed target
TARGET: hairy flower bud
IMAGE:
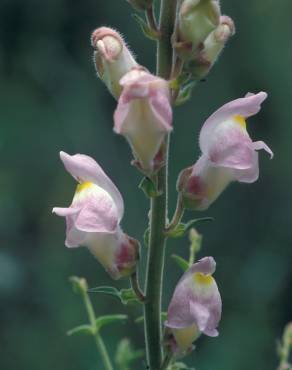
(197, 19)
(141, 4)
(112, 58)
(228, 153)
(93, 218)
(213, 46)
(144, 116)
(195, 307)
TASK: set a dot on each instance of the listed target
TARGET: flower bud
(213, 46)
(195, 307)
(112, 58)
(144, 116)
(228, 153)
(93, 218)
(141, 4)
(196, 20)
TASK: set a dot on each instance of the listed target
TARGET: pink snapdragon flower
(93, 218)
(112, 58)
(195, 307)
(228, 153)
(144, 116)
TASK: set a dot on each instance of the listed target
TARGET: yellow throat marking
(203, 279)
(83, 186)
(240, 120)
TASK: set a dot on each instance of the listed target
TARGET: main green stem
(158, 210)
(98, 340)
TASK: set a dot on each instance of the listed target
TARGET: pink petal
(258, 145)
(200, 315)
(83, 168)
(246, 107)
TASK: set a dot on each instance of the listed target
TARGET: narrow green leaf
(128, 296)
(148, 31)
(182, 228)
(149, 188)
(140, 319)
(185, 93)
(82, 329)
(124, 295)
(189, 224)
(181, 262)
(125, 354)
(109, 319)
(109, 290)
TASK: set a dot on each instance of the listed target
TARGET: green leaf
(146, 236)
(82, 329)
(185, 93)
(109, 290)
(124, 295)
(182, 228)
(109, 319)
(148, 31)
(181, 262)
(128, 296)
(140, 319)
(125, 355)
(149, 188)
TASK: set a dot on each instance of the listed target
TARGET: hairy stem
(98, 340)
(158, 211)
(178, 214)
(136, 287)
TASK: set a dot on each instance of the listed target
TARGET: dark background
(51, 100)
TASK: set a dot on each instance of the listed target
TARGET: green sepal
(82, 329)
(124, 295)
(109, 319)
(179, 81)
(182, 228)
(181, 262)
(146, 29)
(149, 188)
(125, 354)
(185, 93)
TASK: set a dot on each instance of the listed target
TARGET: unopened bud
(141, 4)
(112, 58)
(213, 46)
(197, 19)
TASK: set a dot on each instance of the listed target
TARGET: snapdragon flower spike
(144, 116)
(112, 58)
(195, 307)
(93, 218)
(228, 153)
(196, 20)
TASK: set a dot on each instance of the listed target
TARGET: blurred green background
(51, 100)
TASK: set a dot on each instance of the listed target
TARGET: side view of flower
(190, 36)
(93, 218)
(196, 305)
(228, 153)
